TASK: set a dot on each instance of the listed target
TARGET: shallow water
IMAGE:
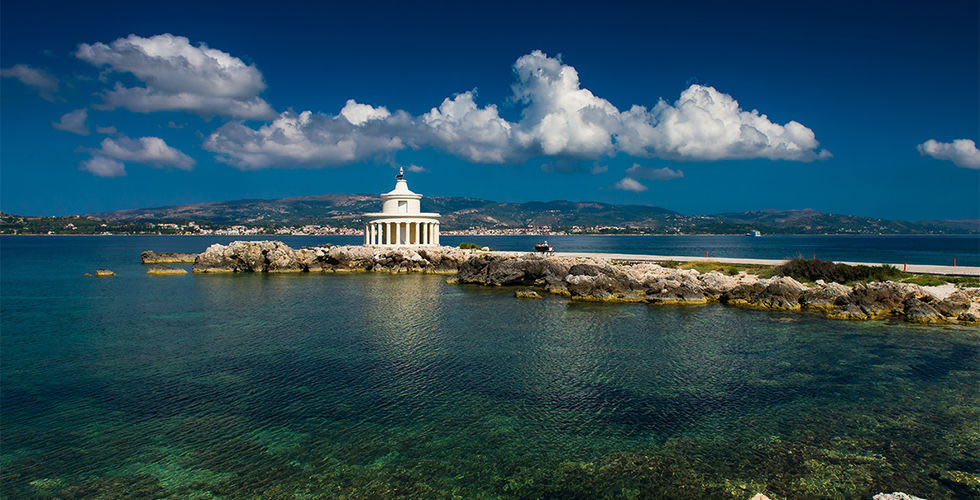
(376, 385)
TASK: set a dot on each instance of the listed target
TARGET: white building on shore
(401, 221)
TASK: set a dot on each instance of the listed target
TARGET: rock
(759, 496)
(527, 294)
(716, 283)
(878, 299)
(782, 294)
(151, 257)
(849, 312)
(601, 279)
(164, 270)
(824, 297)
(898, 495)
(918, 311)
(954, 304)
(87, 275)
(102, 273)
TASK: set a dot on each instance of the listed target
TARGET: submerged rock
(898, 495)
(102, 273)
(165, 270)
(527, 294)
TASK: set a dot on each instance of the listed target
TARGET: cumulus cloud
(630, 184)
(416, 168)
(559, 118)
(107, 161)
(104, 167)
(106, 130)
(705, 124)
(657, 174)
(358, 114)
(74, 122)
(179, 77)
(461, 127)
(962, 152)
(45, 84)
(306, 139)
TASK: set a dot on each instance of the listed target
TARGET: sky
(863, 108)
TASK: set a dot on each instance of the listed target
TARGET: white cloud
(599, 169)
(106, 130)
(104, 167)
(559, 119)
(416, 168)
(107, 161)
(45, 84)
(657, 174)
(306, 139)
(630, 184)
(705, 124)
(74, 122)
(358, 114)
(179, 76)
(146, 150)
(461, 127)
(962, 152)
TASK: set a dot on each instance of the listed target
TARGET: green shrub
(813, 269)
(470, 246)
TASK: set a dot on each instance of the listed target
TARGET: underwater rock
(898, 495)
(527, 294)
(151, 257)
(102, 273)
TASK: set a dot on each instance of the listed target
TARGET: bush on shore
(814, 269)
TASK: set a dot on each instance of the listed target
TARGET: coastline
(595, 278)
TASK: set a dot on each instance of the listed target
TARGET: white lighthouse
(401, 220)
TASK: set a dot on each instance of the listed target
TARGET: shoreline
(592, 277)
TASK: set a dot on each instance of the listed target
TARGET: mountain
(344, 210)
(463, 213)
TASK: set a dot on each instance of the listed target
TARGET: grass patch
(815, 269)
(472, 246)
(729, 269)
(931, 280)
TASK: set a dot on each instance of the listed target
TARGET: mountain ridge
(344, 210)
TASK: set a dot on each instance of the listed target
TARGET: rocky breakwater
(602, 280)
(276, 257)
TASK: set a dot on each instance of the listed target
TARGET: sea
(363, 385)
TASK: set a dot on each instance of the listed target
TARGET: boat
(544, 248)
(754, 233)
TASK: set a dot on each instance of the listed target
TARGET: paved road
(912, 268)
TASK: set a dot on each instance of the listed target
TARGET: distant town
(77, 224)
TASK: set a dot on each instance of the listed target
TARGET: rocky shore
(603, 280)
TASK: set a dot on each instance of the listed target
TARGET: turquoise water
(376, 385)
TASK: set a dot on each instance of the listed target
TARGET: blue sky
(862, 108)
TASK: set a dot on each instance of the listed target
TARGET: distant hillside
(346, 210)
(462, 213)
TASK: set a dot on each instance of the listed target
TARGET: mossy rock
(527, 294)
(103, 273)
(165, 270)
